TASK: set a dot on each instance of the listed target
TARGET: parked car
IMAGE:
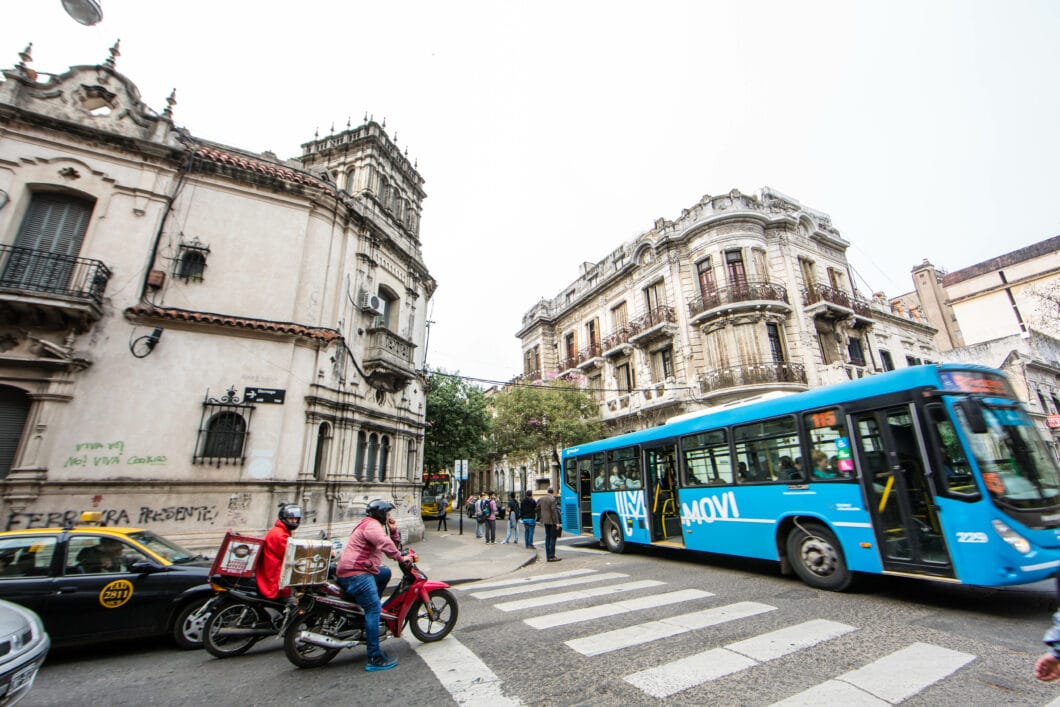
(23, 636)
(90, 583)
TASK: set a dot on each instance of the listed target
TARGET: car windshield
(1016, 468)
(166, 548)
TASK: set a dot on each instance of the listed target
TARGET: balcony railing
(32, 270)
(824, 293)
(751, 291)
(652, 318)
(589, 353)
(752, 373)
(388, 359)
(616, 338)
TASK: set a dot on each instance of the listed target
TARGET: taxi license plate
(24, 677)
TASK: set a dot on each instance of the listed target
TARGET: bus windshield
(1016, 467)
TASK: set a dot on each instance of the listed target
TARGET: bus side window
(953, 473)
(830, 453)
(707, 459)
(763, 450)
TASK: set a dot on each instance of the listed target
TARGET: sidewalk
(455, 558)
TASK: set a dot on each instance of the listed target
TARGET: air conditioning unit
(372, 303)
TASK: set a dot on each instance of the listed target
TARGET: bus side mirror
(973, 414)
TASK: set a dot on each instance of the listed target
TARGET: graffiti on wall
(109, 454)
(141, 516)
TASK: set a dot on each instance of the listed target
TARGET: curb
(466, 580)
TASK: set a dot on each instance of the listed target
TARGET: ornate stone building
(739, 296)
(191, 333)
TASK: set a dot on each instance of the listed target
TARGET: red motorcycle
(327, 620)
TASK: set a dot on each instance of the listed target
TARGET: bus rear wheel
(817, 557)
(612, 535)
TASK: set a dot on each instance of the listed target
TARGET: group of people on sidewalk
(528, 512)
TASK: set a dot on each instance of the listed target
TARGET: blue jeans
(528, 531)
(365, 589)
(512, 534)
(550, 541)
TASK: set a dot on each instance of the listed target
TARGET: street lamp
(87, 12)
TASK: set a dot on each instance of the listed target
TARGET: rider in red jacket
(270, 564)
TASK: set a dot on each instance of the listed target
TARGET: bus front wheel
(816, 556)
(612, 532)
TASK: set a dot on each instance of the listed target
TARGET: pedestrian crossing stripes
(552, 599)
(665, 628)
(619, 607)
(568, 582)
(888, 680)
(680, 675)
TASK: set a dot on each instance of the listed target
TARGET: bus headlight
(1020, 543)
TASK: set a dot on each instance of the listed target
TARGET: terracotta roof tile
(186, 315)
(214, 154)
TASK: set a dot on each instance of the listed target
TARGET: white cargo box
(305, 562)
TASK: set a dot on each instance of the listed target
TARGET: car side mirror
(145, 567)
(973, 414)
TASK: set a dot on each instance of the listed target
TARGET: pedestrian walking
(491, 518)
(528, 517)
(513, 519)
(480, 516)
(443, 509)
(549, 515)
(1047, 667)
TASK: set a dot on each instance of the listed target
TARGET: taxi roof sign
(91, 517)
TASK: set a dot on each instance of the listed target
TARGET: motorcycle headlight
(1017, 541)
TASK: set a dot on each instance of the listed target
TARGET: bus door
(585, 488)
(900, 495)
(660, 469)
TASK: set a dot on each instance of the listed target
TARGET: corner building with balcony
(191, 333)
(741, 295)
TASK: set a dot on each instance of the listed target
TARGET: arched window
(350, 180)
(358, 462)
(321, 459)
(14, 408)
(373, 451)
(384, 457)
(226, 433)
(410, 460)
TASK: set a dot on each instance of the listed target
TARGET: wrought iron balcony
(752, 373)
(615, 342)
(741, 293)
(41, 280)
(388, 360)
(590, 355)
(823, 298)
(652, 325)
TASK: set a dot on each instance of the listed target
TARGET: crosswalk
(888, 680)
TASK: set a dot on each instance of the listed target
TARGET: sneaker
(381, 663)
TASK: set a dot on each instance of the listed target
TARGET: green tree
(551, 416)
(458, 421)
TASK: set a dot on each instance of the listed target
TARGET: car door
(99, 600)
(27, 569)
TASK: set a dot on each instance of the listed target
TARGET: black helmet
(291, 515)
(378, 509)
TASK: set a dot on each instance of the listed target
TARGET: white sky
(550, 132)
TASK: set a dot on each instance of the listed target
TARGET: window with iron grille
(223, 430)
(191, 262)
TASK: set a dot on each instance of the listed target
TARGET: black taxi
(91, 583)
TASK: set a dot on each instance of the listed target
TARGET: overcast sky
(550, 132)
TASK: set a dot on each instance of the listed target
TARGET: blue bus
(930, 471)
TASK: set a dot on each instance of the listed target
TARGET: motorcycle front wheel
(221, 637)
(307, 655)
(444, 610)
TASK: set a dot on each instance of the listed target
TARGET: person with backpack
(513, 519)
(481, 513)
(490, 508)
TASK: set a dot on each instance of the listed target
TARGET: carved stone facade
(191, 333)
(741, 295)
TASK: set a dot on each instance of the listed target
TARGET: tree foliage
(458, 422)
(528, 419)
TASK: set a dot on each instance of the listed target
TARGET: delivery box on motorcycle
(305, 562)
(238, 556)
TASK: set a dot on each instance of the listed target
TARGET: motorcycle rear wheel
(443, 605)
(231, 616)
(306, 655)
